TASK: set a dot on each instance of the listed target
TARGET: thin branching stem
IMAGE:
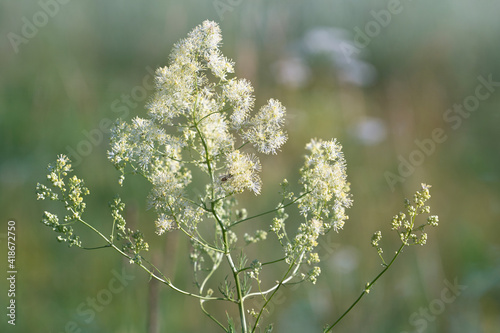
(209, 275)
(96, 248)
(275, 289)
(279, 284)
(152, 274)
(263, 264)
(272, 210)
(210, 316)
(237, 281)
(370, 284)
(201, 242)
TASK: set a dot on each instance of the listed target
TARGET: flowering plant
(202, 119)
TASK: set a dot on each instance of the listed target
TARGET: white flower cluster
(239, 94)
(322, 202)
(242, 173)
(266, 134)
(325, 182)
(194, 120)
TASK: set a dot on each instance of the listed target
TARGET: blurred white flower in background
(345, 260)
(369, 131)
(294, 71)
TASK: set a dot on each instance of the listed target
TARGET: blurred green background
(343, 69)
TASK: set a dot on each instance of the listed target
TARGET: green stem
(212, 113)
(210, 316)
(95, 248)
(214, 268)
(239, 291)
(370, 284)
(272, 210)
(281, 282)
(263, 264)
(201, 242)
(152, 274)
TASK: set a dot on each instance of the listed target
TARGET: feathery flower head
(325, 184)
(193, 120)
(239, 94)
(242, 173)
(266, 132)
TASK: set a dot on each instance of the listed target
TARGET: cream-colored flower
(325, 184)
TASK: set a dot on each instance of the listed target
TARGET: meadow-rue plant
(201, 118)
